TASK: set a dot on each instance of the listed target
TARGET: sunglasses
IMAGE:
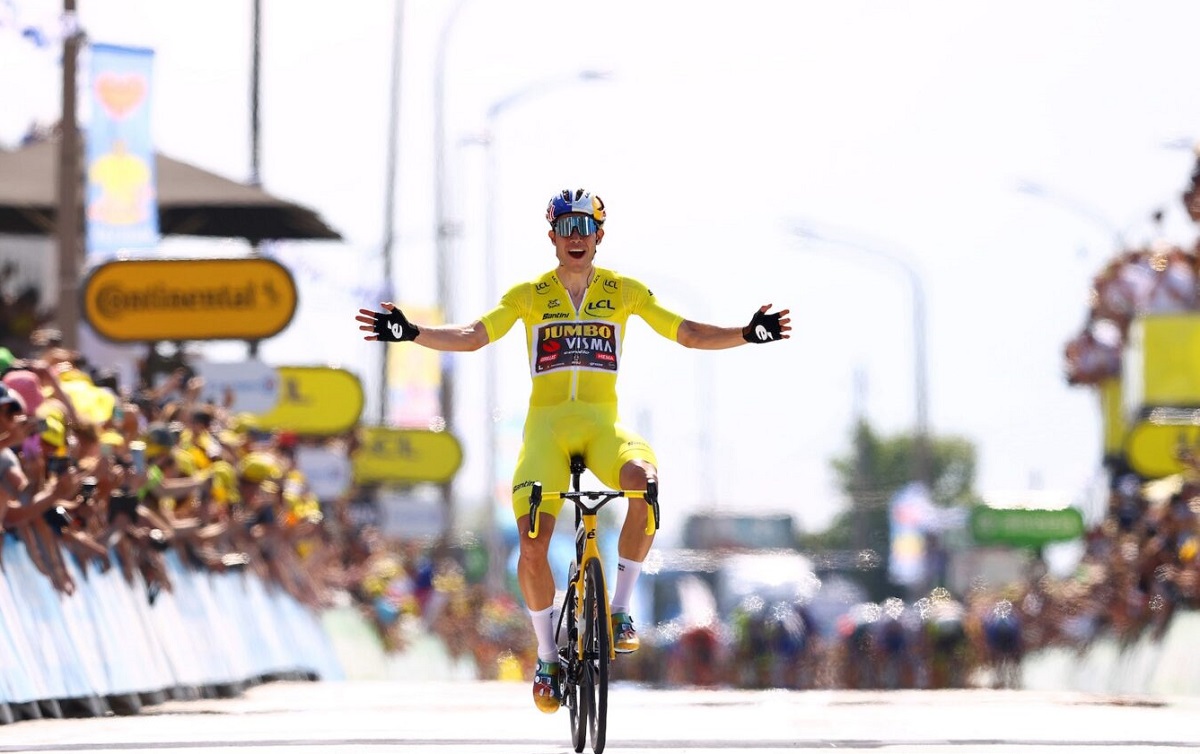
(566, 225)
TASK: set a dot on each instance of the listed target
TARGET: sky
(897, 134)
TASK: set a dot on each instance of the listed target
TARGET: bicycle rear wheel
(593, 680)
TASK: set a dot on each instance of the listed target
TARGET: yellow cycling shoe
(625, 639)
(545, 687)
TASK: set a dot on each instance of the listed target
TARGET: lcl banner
(121, 195)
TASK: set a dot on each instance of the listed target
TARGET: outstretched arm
(763, 328)
(392, 326)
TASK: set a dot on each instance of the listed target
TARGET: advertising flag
(121, 196)
(414, 378)
(910, 512)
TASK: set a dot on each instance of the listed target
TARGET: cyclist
(574, 317)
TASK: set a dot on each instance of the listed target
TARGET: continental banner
(318, 401)
(189, 299)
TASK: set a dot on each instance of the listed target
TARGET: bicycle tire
(593, 680)
(571, 667)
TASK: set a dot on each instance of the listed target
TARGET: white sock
(627, 575)
(543, 627)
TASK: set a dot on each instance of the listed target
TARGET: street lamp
(488, 140)
(1076, 207)
(389, 196)
(442, 233)
(806, 232)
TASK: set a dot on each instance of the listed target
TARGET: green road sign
(1024, 527)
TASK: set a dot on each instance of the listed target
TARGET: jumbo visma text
(552, 332)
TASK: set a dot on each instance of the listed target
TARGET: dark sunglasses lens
(565, 226)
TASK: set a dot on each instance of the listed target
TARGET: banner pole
(67, 217)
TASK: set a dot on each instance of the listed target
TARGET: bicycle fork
(587, 551)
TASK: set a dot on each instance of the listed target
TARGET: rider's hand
(389, 325)
(764, 328)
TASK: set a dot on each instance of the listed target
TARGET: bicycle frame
(587, 507)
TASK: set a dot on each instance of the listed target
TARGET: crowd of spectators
(1158, 278)
(114, 475)
(1140, 564)
(131, 476)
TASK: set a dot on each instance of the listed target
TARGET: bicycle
(586, 614)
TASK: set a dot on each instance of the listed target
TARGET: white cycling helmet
(580, 201)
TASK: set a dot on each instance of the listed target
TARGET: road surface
(499, 718)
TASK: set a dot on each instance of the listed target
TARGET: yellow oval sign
(406, 455)
(315, 401)
(189, 299)
(1153, 449)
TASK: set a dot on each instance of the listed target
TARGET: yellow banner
(315, 401)
(189, 299)
(1161, 364)
(406, 455)
(1111, 416)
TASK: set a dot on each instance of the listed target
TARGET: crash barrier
(115, 646)
(1166, 665)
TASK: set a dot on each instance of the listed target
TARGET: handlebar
(598, 498)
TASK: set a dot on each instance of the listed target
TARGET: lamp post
(442, 235)
(491, 399)
(389, 196)
(923, 465)
(68, 221)
(1075, 207)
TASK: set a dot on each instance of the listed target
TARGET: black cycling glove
(394, 327)
(763, 328)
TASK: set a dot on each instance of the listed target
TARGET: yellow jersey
(575, 353)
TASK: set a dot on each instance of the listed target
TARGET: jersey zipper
(575, 370)
(582, 302)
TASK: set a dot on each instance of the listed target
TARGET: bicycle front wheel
(593, 681)
(572, 667)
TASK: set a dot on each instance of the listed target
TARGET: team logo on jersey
(610, 285)
(542, 288)
(553, 303)
(586, 345)
(600, 308)
(555, 315)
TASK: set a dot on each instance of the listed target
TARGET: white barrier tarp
(108, 639)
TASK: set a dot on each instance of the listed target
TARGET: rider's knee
(635, 474)
(536, 549)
